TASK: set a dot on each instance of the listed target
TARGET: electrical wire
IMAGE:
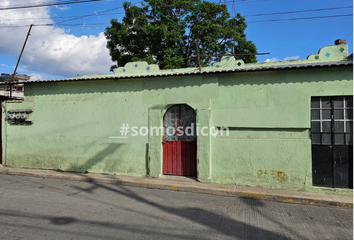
(47, 4)
(54, 17)
(102, 13)
(72, 18)
(244, 1)
(300, 11)
(61, 48)
(105, 24)
(94, 14)
(289, 19)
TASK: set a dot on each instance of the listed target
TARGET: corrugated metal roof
(258, 67)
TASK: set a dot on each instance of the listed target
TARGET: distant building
(17, 86)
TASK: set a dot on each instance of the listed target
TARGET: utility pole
(19, 58)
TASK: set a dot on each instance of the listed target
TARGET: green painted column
(155, 144)
(203, 146)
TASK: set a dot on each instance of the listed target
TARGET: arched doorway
(180, 141)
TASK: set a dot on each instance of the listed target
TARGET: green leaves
(145, 35)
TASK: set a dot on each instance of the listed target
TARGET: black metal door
(332, 141)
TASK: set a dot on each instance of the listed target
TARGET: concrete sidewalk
(190, 185)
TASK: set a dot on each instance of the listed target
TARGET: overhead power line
(60, 47)
(270, 20)
(94, 14)
(300, 11)
(48, 4)
(54, 17)
(288, 19)
(105, 24)
(242, 1)
(102, 13)
(79, 16)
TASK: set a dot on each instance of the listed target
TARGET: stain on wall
(279, 176)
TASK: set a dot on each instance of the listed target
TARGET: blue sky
(65, 51)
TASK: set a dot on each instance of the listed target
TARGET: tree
(147, 35)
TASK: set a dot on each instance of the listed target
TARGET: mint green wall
(279, 98)
(72, 123)
(268, 113)
(269, 118)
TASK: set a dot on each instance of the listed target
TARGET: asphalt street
(36, 208)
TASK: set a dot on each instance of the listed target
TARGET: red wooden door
(180, 141)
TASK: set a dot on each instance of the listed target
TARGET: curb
(180, 187)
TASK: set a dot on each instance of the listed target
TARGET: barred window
(332, 120)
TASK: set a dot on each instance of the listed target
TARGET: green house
(282, 125)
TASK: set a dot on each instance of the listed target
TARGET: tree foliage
(147, 35)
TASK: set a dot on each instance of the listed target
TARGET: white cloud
(35, 77)
(291, 58)
(272, 60)
(284, 59)
(62, 7)
(4, 65)
(41, 76)
(20, 69)
(85, 54)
